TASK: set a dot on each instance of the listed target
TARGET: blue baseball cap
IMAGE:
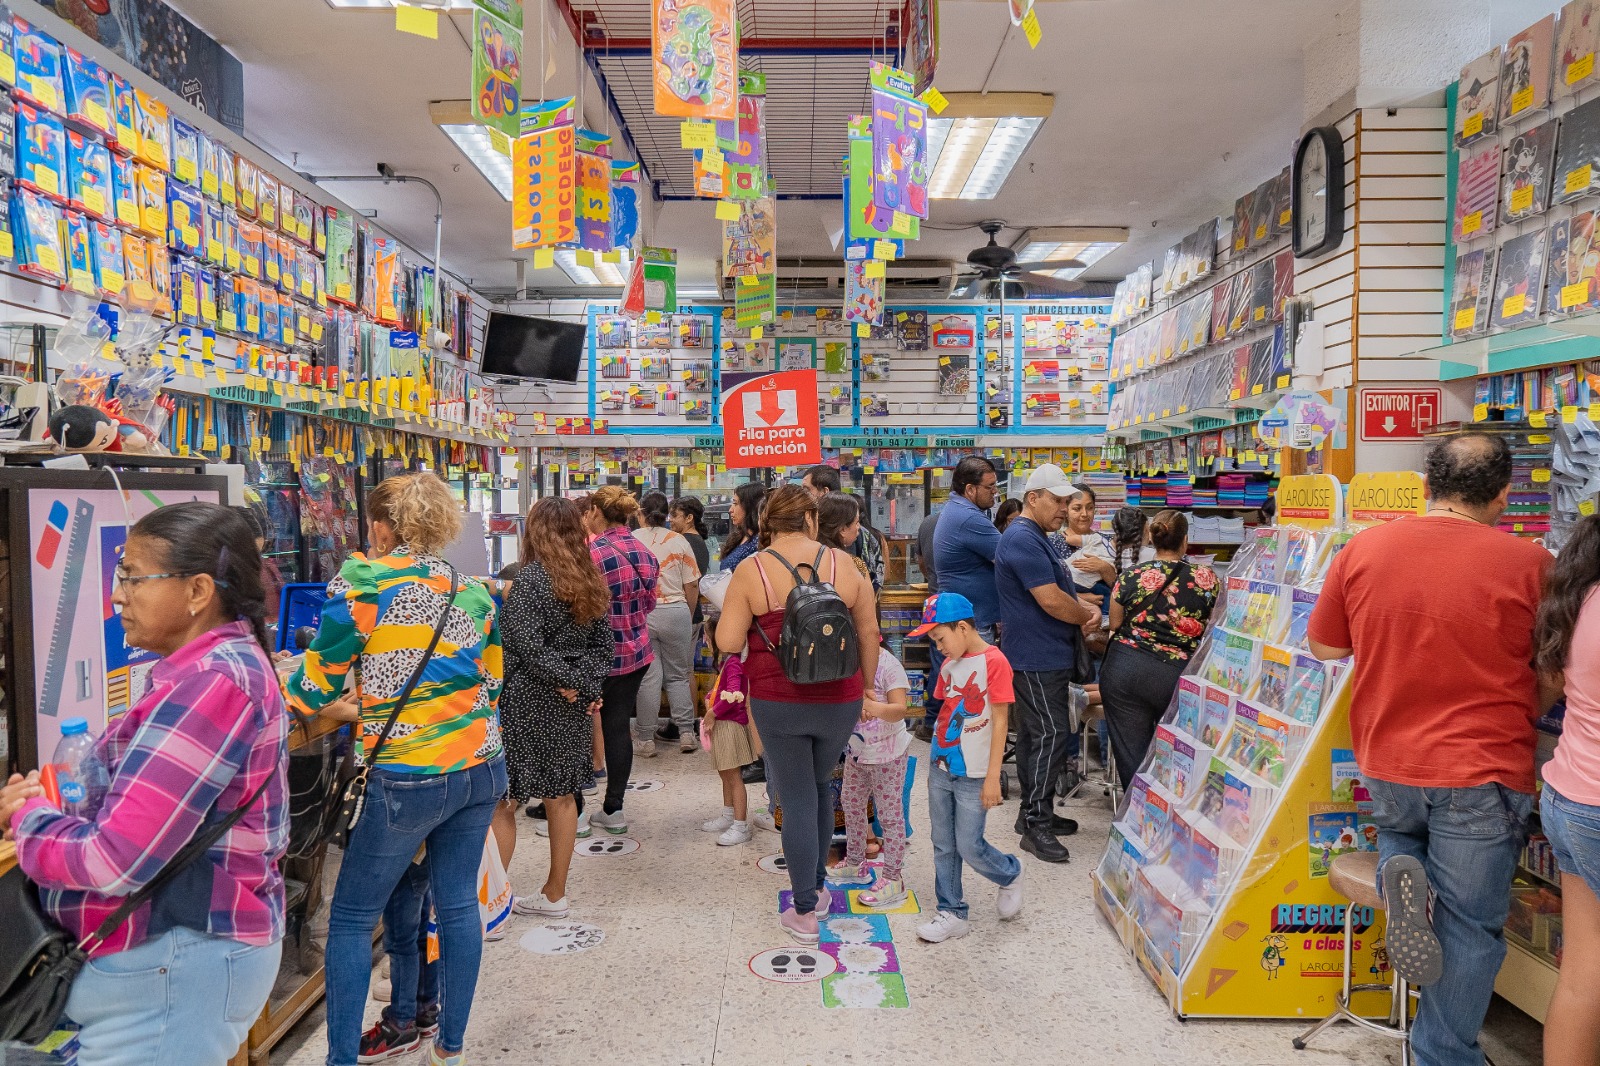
(943, 608)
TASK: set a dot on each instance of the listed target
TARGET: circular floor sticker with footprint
(793, 966)
(562, 938)
(774, 864)
(606, 845)
(645, 786)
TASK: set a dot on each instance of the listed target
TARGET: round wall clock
(1318, 193)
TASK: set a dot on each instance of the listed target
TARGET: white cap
(1052, 479)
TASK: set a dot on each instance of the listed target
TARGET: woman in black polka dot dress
(558, 648)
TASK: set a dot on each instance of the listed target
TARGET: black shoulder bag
(353, 799)
(39, 961)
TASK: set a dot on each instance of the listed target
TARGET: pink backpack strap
(765, 583)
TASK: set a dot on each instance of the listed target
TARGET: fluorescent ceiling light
(1085, 244)
(454, 118)
(978, 139)
(614, 275)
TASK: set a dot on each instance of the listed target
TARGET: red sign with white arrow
(772, 420)
(1398, 414)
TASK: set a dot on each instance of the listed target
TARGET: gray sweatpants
(672, 638)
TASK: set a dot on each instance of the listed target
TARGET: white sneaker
(644, 749)
(763, 820)
(689, 742)
(884, 894)
(736, 833)
(615, 824)
(542, 827)
(539, 904)
(1009, 901)
(945, 926)
(845, 874)
(719, 823)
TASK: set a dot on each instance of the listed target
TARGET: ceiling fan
(993, 264)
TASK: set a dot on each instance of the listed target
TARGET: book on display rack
(1229, 748)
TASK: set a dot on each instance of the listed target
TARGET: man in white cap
(1038, 609)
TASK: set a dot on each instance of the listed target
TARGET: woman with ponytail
(434, 782)
(1566, 643)
(209, 733)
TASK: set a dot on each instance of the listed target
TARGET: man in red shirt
(1438, 612)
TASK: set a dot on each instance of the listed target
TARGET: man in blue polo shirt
(964, 543)
(1038, 609)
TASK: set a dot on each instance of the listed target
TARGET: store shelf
(1559, 341)
(1527, 980)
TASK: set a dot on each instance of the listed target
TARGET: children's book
(1271, 754)
(1160, 919)
(1212, 790)
(1525, 189)
(1272, 681)
(1190, 700)
(1216, 715)
(1525, 70)
(1236, 603)
(1240, 746)
(1159, 763)
(1308, 678)
(1478, 98)
(1261, 609)
(1348, 786)
(1202, 860)
(1301, 603)
(1333, 829)
(1238, 799)
(1181, 765)
(1232, 660)
(1133, 804)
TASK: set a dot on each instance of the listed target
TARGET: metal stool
(1354, 875)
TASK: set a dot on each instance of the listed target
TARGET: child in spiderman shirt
(964, 782)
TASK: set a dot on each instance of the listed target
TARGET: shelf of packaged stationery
(1183, 423)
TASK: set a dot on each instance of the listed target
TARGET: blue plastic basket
(300, 604)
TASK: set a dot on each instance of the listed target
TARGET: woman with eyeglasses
(434, 783)
(185, 976)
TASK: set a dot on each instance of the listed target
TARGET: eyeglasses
(125, 578)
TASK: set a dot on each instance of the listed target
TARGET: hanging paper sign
(771, 420)
(594, 191)
(746, 156)
(750, 243)
(863, 294)
(496, 72)
(922, 49)
(624, 203)
(696, 49)
(756, 305)
(1300, 420)
(544, 177)
(899, 144)
(660, 279)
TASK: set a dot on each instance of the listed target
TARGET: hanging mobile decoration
(899, 147)
(593, 152)
(544, 177)
(496, 72)
(696, 50)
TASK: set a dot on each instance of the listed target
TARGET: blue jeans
(449, 813)
(413, 980)
(955, 820)
(1574, 832)
(1467, 840)
(930, 706)
(182, 997)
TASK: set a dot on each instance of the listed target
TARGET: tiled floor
(672, 985)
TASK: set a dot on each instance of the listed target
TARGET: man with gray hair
(1438, 611)
(1039, 607)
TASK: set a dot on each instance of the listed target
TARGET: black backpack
(818, 641)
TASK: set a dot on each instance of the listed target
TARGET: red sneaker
(385, 1041)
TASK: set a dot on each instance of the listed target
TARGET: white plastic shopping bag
(494, 889)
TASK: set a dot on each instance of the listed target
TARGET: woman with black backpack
(810, 621)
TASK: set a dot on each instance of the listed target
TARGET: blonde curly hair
(423, 511)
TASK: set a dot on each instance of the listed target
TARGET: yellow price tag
(1579, 179)
(883, 250)
(727, 211)
(1538, 419)
(1521, 101)
(873, 268)
(222, 375)
(757, 332)
(1030, 28)
(1480, 412)
(900, 224)
(45, 93)
(863, 330)
(1466, 318)
(937, 103)
(1540, 476)
(1574, 294)
(1260, 314)
(47, 180)
(498, 140)
(1580, 69)
(711, 159)
(1513, 306)
(544, 258)
(1473, 125)
(1569, 413)
(1472, 223)
(1522, 200)
(94, 201)
(1586, 507)
(749, 281)
(693, 134)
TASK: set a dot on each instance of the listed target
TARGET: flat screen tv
(518, 346)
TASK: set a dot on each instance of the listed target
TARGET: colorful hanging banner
(594, 191)
(756, 305)
(544, 177)
(867, 219)
(863, 292)
(625, 178)
(660, 279)
(509, 11)
(496, 72)
(746, 152)
(696, 53)
(750, 242)
(899, 143)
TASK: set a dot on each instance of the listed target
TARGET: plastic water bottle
(81, 777)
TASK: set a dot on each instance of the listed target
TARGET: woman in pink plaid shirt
(182, 980)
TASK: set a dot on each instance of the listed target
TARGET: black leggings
(1135, 689)
(618, 696)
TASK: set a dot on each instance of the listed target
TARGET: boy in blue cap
(964, 782)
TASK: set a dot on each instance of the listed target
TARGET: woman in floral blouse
(1159, 612)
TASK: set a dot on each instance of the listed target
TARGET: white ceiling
(1165, 111)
